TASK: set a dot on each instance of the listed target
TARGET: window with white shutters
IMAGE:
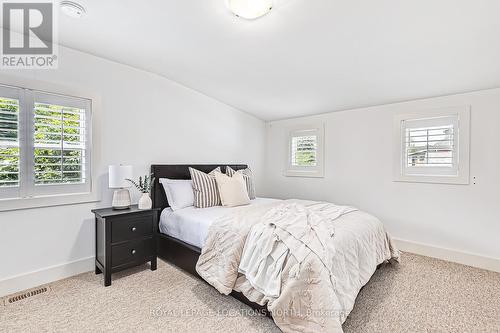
(44, 144)
(9, 142)
(305, 150)
(433, 147)
(11, 136)
(430, 147)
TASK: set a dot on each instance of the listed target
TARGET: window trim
(462, 133)
(47, 200)
(297, 171)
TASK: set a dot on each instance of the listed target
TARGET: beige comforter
(329, 251)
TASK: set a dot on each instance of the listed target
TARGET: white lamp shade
(118, 174)
(250, 9)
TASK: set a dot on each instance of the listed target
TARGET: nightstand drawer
(132, 251)
(130, 228)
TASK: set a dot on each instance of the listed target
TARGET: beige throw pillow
(232, 190)
(248, 176)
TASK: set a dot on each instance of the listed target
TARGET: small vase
(145, 201)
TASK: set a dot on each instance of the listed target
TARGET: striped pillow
(205, 189)
(248, 176)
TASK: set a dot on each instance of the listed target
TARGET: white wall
(358, 172)
(142, 119)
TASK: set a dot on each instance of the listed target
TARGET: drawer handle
(133, 251)
(134, 228)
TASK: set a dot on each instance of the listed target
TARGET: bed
(172, 249)
(207, 243)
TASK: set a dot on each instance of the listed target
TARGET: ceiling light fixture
(250, 9)
(72, 9)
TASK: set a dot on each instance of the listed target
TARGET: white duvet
(305, 260)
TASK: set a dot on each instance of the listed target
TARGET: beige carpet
(420, 295)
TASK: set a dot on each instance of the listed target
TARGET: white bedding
(331, 252)
(191, 224)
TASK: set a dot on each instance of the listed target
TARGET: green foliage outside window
(54, 125)
(9, 150)
(54, 162)
(305, 158)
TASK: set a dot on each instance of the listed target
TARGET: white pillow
(232, 190)
(179, 192)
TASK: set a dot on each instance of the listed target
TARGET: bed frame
(173, 250)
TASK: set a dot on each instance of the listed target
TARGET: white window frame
(459, 172)
(316, 171)
(17, 94)
(27, 195)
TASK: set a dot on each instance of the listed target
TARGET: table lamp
(117, 176)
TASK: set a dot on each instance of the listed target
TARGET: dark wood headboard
(178, 171)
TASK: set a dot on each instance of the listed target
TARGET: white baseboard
(22, 282)
(29, 280)
(464, 258)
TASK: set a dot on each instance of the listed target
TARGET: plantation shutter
(10, 140)
(61, 150)
(304, 150)
(430, 145)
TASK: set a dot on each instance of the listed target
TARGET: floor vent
(24, 295)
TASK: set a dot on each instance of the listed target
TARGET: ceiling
(306, 56)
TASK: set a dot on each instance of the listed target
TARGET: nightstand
(124, 239)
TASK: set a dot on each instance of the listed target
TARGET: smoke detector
(73, 9)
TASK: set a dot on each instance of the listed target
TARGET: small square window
(433, 146)
(305, 151)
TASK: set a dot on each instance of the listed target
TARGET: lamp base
(121, 199)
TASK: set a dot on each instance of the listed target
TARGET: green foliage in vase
(145, 183)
